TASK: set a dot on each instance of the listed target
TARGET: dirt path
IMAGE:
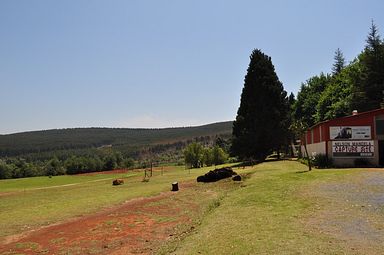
(351, 211)
(135, 227)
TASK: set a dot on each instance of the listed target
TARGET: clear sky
(152, 63)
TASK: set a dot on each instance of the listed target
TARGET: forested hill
(82, 138)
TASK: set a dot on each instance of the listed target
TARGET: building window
(379, 126)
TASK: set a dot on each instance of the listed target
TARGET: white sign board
(349, 133)
(353, 149)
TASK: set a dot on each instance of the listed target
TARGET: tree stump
(117, 182)
(175, 186)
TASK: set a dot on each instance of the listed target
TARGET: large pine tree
(339, 62)
(369, 91)
(262, 118)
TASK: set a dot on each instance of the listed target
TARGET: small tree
(218, 155)
(208, 156)
(54, 167)
(299, 128)
(110, 162)
(339, 62)
(5, 170)
(129, 163)
(193, 155)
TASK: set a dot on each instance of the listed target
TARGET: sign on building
(353, 149)
(350, 133)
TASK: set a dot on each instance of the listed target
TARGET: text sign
(352, 132)
(353, 149)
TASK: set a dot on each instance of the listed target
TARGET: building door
(381, 152)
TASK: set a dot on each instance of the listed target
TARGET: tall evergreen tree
(339, 62)
(373, 39)
(369, 91)
(261, 124)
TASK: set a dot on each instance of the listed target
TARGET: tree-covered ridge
(356, 86)
(83, 150)
(86, 138)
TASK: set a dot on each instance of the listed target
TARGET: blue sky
(142, 63)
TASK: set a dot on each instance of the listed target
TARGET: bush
(216, 175)
(54, 167)
(322, 161)
(361, 162)
(129, 163)
(193, 155)
(5, 170)
(303, 160)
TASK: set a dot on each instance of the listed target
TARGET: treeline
(358, 85)
(127, 150)
(196, 155)
(82, 150)
(100, 159)
(80, 139)
(174, 153)
(20, 168)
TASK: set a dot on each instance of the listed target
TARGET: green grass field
(18, 185)
(40, 201)
(270, 214)
(279, 208)
(259, 217)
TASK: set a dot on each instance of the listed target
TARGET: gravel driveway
(351, 211)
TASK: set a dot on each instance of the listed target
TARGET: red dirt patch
(116, 171)
(124, 171)
(137, 226)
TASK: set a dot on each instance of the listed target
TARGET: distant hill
(85, 138)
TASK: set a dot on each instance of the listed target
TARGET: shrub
(5, 170)
(303, 160)
(216, 175)
(361, 162)
(322, 161)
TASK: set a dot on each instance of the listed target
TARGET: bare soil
(138, 226)
(125, 171)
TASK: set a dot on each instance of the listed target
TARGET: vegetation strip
(272, 214)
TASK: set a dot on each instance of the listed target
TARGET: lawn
(25, 184)
(278, 208)
(40, 201)
(276, 211)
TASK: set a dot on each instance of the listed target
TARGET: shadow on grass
(302, 172)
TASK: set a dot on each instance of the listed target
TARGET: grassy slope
(32, 208)
(266, 216)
